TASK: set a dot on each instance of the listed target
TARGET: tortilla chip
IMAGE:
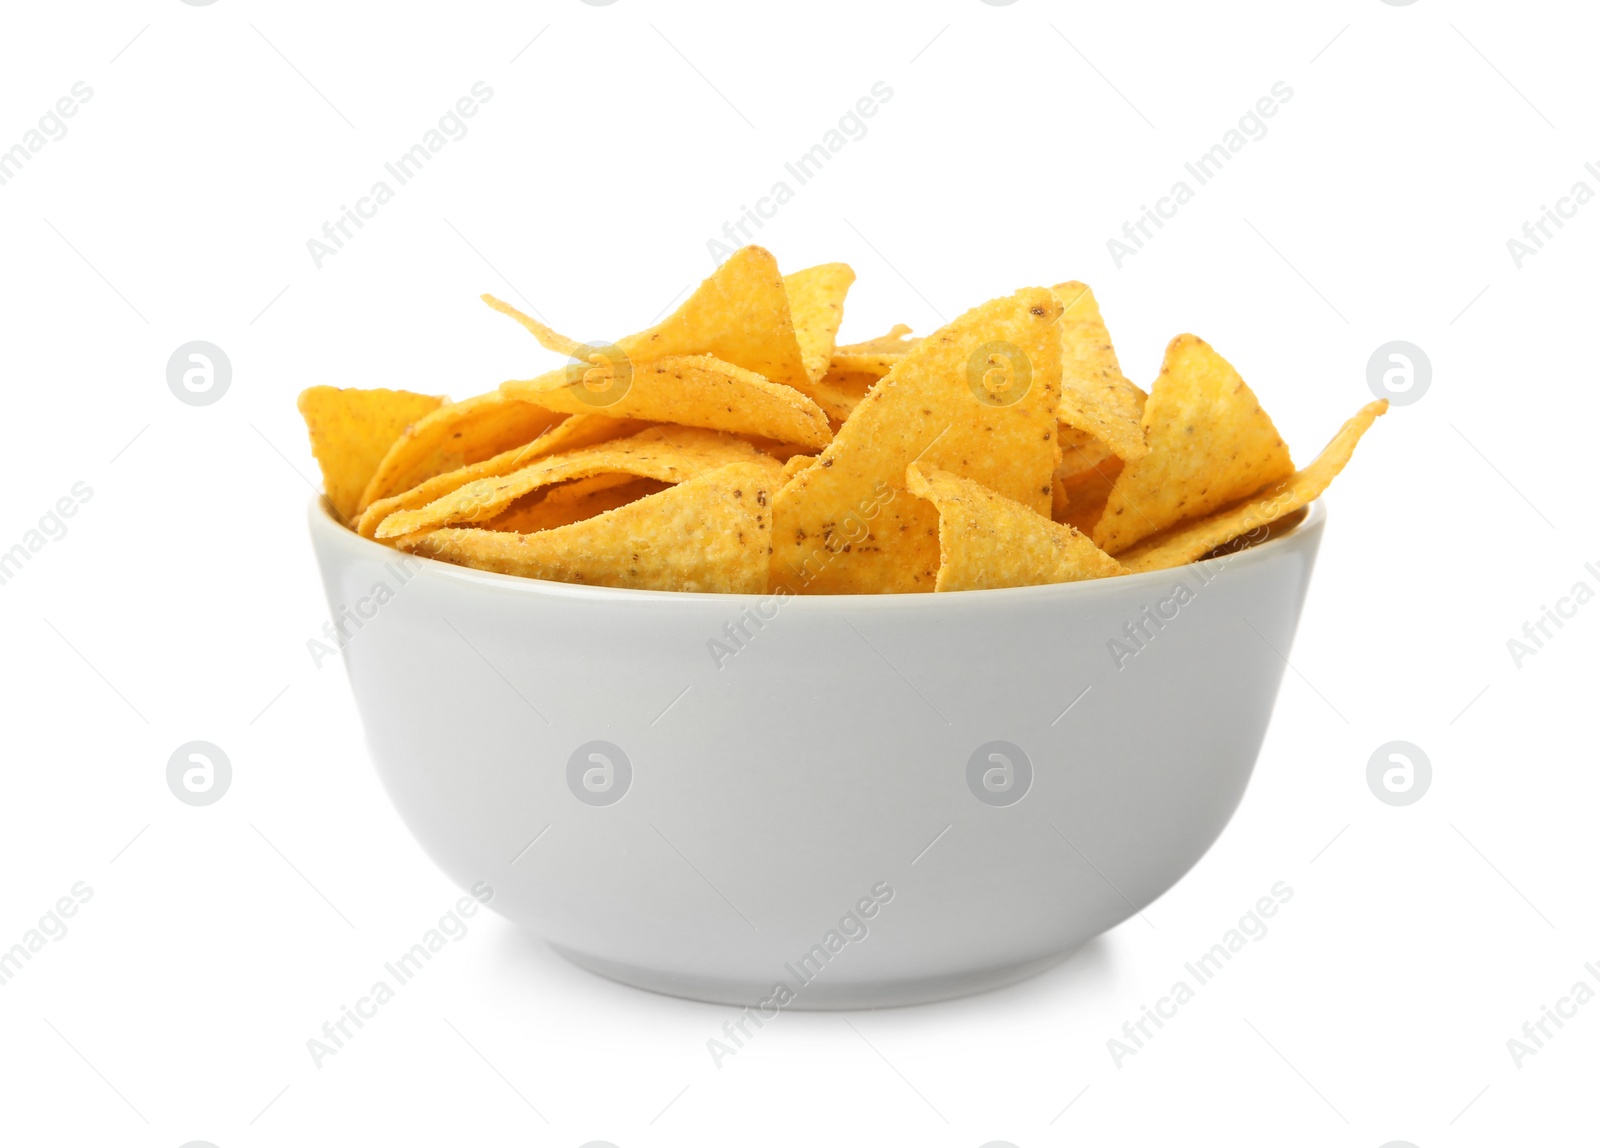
(844, 525)
(654, 453)
(987, 542)
(552, 340)
(351, 430)
(1210, 444)
(816, 305)
(456, 435)
(690, 390)
(574, 502)
(706, 535)
(569, 434)
(1192, 540)
(838, 393)
(1095, 397)
(1080, 499)
(739, 315)
(896, 341)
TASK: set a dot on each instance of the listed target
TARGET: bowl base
(818, 995)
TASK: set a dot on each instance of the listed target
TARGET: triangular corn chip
(1191, 540)
(987, 542)
(706, 535)
(456, 435)
(1210, 444)
(839, 392)
(896, 341)
(654, 453)
(1095, 397)
(844, 525)
(816, 305)
(573, 502)
(690, 390)
(569, 434)
(739, 315)
(551, 340)
(351, 430)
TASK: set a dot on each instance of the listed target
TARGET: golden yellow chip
(816, 305)
(1080, 498)
(569, 434)
(351, 430)
(1210, 444)
(977, 398)
(987, 542)
(1081, 451)
(573, 502)
(668, 456)
(706, 535)
(690, 390)
(839, 392)
(456, 435)
(871, 359)
(896, 341)
(739, 315)
(552, 340)
(1191, 540)
(1095, 397)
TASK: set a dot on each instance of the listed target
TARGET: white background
(1017, 141)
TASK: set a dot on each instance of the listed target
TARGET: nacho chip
(816, 305)
(1095, 397)
(987, 542)
(351, 430)
(1192, 540)
(551, 340)
(456, 435)
(739, 315)
(574, 502)
(690, 390)
(977, 398)
(654, 453)
(838, 393)
(796, 464)
(569, 434)
(706, 535)
(1080, 499)
(1210, 444)
(896, 341)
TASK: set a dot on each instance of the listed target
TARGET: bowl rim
(322, 522)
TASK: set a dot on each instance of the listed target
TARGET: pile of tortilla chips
(736, 448)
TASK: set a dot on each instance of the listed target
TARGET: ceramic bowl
(816, 802)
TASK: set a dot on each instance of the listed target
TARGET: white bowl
(823, 804)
